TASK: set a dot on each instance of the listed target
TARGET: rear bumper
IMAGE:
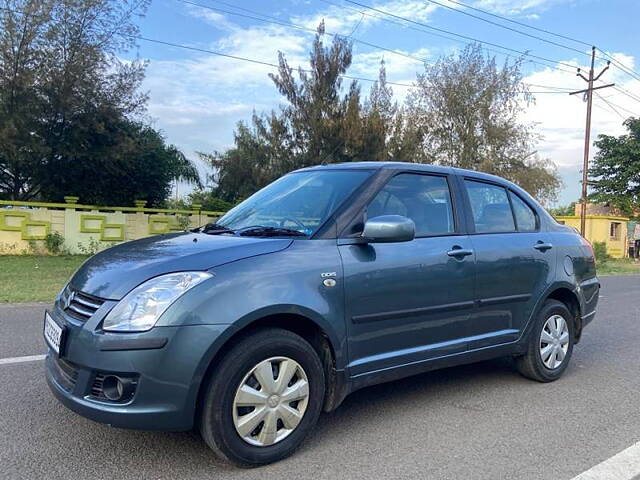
(167, 376)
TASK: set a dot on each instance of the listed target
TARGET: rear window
(525, 216)
(490, 207)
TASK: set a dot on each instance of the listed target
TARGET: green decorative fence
(24, 226)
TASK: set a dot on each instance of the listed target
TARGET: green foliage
(615, 170)
(68, 106)
(124, 154)
(209, 201)
(564, 210)
(464, 112)
(183, 222)
(600, 252)
(205, 198)
(323, 121)
(91, 248)
(54, 242)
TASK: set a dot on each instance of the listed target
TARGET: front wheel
(550, 344)
(264, 398)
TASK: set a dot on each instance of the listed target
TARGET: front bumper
(168, 376)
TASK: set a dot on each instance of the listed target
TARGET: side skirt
(402, 371)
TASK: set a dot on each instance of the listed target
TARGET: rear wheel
(264, 398)
(550, 344)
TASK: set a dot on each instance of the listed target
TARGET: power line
(273, 20)
(251, 60)
(610, 106)
(311, 30)
(627, 93)
(427, 32)
(273, 65)
(508, 28)
(472, 39)
(520, 23)
(620, 65)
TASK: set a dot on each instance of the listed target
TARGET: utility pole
(587, 134)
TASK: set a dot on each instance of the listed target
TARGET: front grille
(79, 305)
(64, 373)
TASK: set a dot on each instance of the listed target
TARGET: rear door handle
(542, 246)
(459, 252)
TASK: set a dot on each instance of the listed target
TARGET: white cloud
(343, 20)
(210, 16)
(516, 7)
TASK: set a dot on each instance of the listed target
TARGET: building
(602, 225)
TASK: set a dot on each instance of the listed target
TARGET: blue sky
(197, 98)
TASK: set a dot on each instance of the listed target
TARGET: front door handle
(542, 246)
(459, 252)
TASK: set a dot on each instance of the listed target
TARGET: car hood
(112, 273)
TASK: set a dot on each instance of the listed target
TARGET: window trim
(456, 209)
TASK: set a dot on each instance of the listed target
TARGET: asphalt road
(481, 421)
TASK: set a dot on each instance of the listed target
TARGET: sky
(197, 98)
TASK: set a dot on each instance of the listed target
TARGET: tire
(220, 412)
(532, 365)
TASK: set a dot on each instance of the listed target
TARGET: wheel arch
(296, 322)
(563, 292)
(570, 299)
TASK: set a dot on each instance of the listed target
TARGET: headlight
(141, 308)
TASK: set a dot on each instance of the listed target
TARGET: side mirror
(388, 229)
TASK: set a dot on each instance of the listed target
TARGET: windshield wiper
(271, 232)
(213, 229)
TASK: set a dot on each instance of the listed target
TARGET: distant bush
(600, 251)
(183, 222)
(54, 242)
(208, 201)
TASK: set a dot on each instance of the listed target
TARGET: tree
(615, 170)
(70, 108)
(564, 210)
(323, 120)
(467, 114)
(463, 112)
(121, 161)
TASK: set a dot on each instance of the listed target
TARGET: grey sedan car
(328, 280)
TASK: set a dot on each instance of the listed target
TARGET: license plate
(53, 333)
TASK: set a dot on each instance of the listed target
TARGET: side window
(490, 207)
(425, 199)
(525, 217)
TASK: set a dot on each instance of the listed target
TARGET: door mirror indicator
(388, 229)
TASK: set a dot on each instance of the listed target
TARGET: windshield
(299, 201)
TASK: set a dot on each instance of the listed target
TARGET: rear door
(514, 261)
(410, 301)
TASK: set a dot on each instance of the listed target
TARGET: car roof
(418, 167)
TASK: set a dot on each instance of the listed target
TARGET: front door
(410, 301)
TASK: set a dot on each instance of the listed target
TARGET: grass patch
(618, 266)
(32, 278)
